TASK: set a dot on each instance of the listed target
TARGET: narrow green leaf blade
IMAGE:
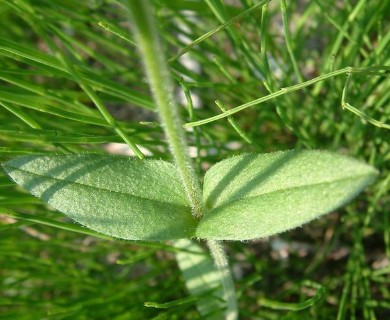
(202, 278)
(118, 196)
(253, 196)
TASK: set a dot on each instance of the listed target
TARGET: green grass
(71, 81)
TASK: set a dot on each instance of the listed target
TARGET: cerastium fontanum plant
(245, 197)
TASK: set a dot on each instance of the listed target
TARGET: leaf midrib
(97, 188)
(292, 188)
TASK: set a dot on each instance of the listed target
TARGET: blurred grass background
(64, 63)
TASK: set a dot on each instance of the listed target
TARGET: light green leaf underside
(253, 196)
(119, 196)
(202, 279)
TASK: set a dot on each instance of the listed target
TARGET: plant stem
(222, 265)
(289, 42)
(375, 70)
(160, 84)
(233, 122)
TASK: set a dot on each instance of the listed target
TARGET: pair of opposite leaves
(246, 197)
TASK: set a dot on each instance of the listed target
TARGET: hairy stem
(155, 64)
(160, 83)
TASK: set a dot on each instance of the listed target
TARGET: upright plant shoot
(245, 197)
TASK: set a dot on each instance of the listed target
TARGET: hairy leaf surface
(119, 196)
(252, 196)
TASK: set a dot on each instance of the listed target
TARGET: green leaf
(252, 196)
(118, 196)
(202, 279)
